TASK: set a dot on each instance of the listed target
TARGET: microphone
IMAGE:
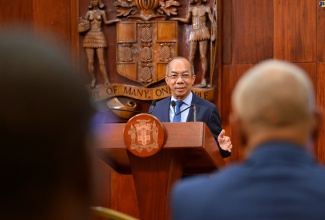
(194, 112)
(173, 103)
(152, 107)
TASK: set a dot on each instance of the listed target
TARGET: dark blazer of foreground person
(274, 113)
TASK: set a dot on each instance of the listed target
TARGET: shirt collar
(187, 100)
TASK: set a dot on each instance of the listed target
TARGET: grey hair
(179, 57)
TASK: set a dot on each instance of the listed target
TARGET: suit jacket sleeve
(214, 124)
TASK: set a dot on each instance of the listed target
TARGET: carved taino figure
(95, 40)
(200, 33)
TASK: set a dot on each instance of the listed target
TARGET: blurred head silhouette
(275, 101)
(44, 132)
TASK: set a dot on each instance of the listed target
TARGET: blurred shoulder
(220, 178)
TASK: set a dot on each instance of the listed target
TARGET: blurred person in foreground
(180, 77)
(45, 164)
(274, 112)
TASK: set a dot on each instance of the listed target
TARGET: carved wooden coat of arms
(146, 40)
(144, 135)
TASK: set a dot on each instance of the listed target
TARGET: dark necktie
(177, 116)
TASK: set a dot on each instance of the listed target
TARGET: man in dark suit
(180, 79)
(274, 113)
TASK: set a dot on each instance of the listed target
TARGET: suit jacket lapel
(165, 112)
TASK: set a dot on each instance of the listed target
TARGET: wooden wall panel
(123, 195)
(53, 17)
(252, 31)
(320, 40)
(75, 41)
(226, 17)
(295, 30)
(102, 183)
(320, 150)
(231, 74)
(311, 70)
(16, 12)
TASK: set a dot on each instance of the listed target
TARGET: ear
(316, 125)
(166, 80)
(193, 79)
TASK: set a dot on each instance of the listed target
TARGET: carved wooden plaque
(144, 135)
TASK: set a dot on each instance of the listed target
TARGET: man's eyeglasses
(183, 76)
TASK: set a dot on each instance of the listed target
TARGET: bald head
(274, 95)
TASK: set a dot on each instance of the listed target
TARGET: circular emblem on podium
(144, 135)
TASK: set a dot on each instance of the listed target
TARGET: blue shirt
(187, 102)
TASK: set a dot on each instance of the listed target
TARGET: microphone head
(152, 107)
(173, 103)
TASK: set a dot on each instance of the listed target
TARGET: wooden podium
(189, 149)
